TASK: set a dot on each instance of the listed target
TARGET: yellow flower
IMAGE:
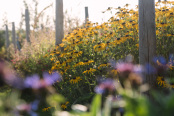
(119, 40)
(67, 103)
(64, 106)
(63, 55)
(77, 54)
(91, 70)
(171, 67)
(61, 72)
(158, 63)
(102, 65)
(161, 81)
(76, 80)
(114, 72)
(50, 72)
(87, 62)
(46, 55)
(70, 59)
(52, 59)
(162, 24)
(137, 45)
(45, 109)
(100, 46)
(172, 86)
(78, 64)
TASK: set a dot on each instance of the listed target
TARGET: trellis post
(14, 35)
(18, 44)
(86, 15)
(59, 22)
(27, 22)
(7, 42)
(160, 0)
(147, 36)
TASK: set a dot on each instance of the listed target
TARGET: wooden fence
(58, 26)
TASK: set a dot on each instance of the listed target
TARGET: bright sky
(11, 9)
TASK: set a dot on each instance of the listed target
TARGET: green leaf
(96, 105)
(55, 99)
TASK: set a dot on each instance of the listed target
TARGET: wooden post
(14, 35)
(27, 22)
(160, 0)
(7, 42)
(18, 45)
(59, 22)
(86, 15)
(147, 36)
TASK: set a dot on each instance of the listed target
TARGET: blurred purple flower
(33, 113)
(149, 69)
(28, 108)
(121, 110)
(36, 83)
(32, 82)
(171, 57)
(125, 67)
(99, 90)
(129, 58)
(106, 84)
(160, 59)
(51, 79)
(24, 107)
(171, 60)
(14, 81)
(34, 105)
(113, 63)
(138, 69)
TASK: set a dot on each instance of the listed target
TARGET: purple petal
(149, 69)
(161, 59)
(51, 78)
(123, 67)
(99, 90)
(34, 105)
(32, 82)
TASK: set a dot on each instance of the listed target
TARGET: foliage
(2, 39)
(126, 97)
(2, 43)
(30, 59)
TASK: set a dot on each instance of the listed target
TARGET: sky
(11, 9)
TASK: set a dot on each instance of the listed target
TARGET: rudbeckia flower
(76, 80)
(89, 70)
(161, 81)
(79, 64)
(87, 62)
(64, 106)
(103, 65)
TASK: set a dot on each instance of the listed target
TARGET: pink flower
(125, 67)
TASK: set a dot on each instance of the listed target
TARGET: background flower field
(98, 64)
